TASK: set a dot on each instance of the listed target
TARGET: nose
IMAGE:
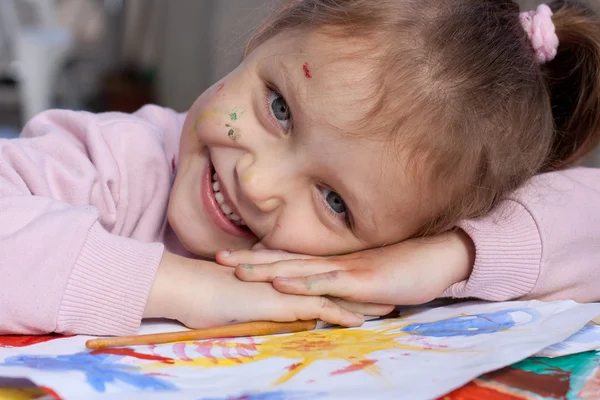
(260, 183)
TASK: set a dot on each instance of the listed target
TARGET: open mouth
(223, 202)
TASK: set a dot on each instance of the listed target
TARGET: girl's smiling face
(272, 139)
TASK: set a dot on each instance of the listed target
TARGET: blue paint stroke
(99, 369)
(588, 334)
(468, 325)
(274, 395)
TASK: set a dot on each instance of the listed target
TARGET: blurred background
(117, 55)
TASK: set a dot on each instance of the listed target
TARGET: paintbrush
(258, 328)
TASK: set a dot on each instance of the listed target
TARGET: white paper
(587, 339)
(422, 355)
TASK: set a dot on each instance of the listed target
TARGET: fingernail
(246, 266)
(226, 253)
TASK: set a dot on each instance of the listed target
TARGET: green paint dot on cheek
(233, 116)
(233, 134)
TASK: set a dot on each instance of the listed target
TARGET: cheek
(306, 236)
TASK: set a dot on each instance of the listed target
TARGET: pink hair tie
(541, 32)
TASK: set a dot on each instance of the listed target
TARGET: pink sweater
(83, 227)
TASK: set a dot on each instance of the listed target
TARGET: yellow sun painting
(305, 348)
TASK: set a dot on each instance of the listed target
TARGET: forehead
(333, 79)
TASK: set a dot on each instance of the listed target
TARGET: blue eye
(334, 201)
(280, 109)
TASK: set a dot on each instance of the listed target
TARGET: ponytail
(574, 82)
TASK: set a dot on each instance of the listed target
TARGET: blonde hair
(484, 116)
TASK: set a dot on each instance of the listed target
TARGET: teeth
(225, 208)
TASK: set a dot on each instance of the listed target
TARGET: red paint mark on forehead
(220, 87)
(306, 70)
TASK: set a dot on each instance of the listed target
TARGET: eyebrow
(290, 91)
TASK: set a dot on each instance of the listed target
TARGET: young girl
(349, 125)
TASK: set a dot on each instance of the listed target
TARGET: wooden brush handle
(259, 328)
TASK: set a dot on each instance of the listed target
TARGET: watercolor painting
(272, 395)
(470, 325)
(99, 368)
(24, 389)
(26, 340)
(571, 377)
(389, 358)
(587, 339)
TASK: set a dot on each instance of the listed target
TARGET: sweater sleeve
(82, 207)
(542, 242)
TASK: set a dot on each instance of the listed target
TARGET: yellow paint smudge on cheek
(192, 132)
(207, 115)
(248, 177)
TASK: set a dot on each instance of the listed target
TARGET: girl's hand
(412, 272)
(202, 294)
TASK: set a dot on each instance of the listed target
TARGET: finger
(234, 258)
(364, 308)
(337, 283)
(318, 307)
(288, 268)
(363, 286)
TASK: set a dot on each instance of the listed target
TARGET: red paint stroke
(310, 381)
(293, 366)
(173, 166)
(354, 367)
(220, 87)
(307, 73)
(51, 393)
(132, 353)
(24, 341)
(472, 391)
(555, 385)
